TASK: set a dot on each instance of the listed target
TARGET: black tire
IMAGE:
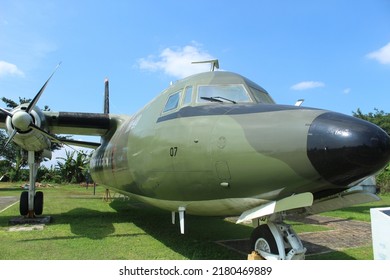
(38, 203)
(23, 204)
(262, 238)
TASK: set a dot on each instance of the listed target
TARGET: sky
(335, 54)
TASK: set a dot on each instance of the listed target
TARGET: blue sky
(334, 54)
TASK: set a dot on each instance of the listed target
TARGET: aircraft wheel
(262, 239)
(23, 204)
(38, 203)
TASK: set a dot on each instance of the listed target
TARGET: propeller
(25, 126)
(22, 119)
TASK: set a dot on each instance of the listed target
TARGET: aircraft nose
(344, 149)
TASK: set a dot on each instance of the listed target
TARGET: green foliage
(49, 175)
(12, 104)
(12, 160)
(75, 167)
(383, 179)
(379, 117)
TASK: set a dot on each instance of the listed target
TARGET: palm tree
(74, 167)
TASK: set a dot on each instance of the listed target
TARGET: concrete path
(342, 234)
(6, 201)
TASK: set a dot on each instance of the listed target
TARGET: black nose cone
(344, 149)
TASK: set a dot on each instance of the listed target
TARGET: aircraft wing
(93, 124)
(70, 123)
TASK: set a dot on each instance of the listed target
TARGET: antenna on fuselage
(106, 97)
(299, 102)
(214, 63)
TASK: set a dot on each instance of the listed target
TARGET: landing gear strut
(276, 240)
(31, 202)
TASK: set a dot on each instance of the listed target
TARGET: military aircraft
(216, 144)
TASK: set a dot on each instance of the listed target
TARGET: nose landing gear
(31, 202)
(276, 240)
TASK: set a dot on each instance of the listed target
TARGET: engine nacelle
(26, 137)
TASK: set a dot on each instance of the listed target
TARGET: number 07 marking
(173, 151)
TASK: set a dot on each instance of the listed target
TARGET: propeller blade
(36, 98)
(10, 138)
(8, 113)
(51, 136)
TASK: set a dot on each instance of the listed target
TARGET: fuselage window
(173, 102)
(187, 96)
(223, 93)
(261, 96)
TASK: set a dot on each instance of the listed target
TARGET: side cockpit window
(173, 102)
(187, 96)
(261, 96)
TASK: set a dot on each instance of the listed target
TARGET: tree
(12, 104)
(49, 175)
(379, 117)
(74, 167)
(13, 159)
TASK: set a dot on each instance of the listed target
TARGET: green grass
(86, 227)
(359, 253)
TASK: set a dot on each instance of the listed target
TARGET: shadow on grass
(199, 242)
(201, 233)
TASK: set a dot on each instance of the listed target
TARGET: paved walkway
(6, 201)
(342, 234)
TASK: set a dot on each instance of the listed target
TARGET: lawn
(84, 226)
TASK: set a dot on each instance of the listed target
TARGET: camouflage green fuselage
(213, 158)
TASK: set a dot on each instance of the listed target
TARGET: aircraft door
(223, 142)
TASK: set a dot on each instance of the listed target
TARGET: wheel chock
(254, 256)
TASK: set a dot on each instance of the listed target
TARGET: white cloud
(347, 90)
(307, 85)
(382, 55)
(7, 68)
(177, 62)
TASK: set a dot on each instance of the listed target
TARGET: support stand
(107, 196)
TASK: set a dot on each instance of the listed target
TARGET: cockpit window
(223, 93)
(187, 96)
(173, 102)
(261, 96)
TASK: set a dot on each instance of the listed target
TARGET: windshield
(223, 93)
